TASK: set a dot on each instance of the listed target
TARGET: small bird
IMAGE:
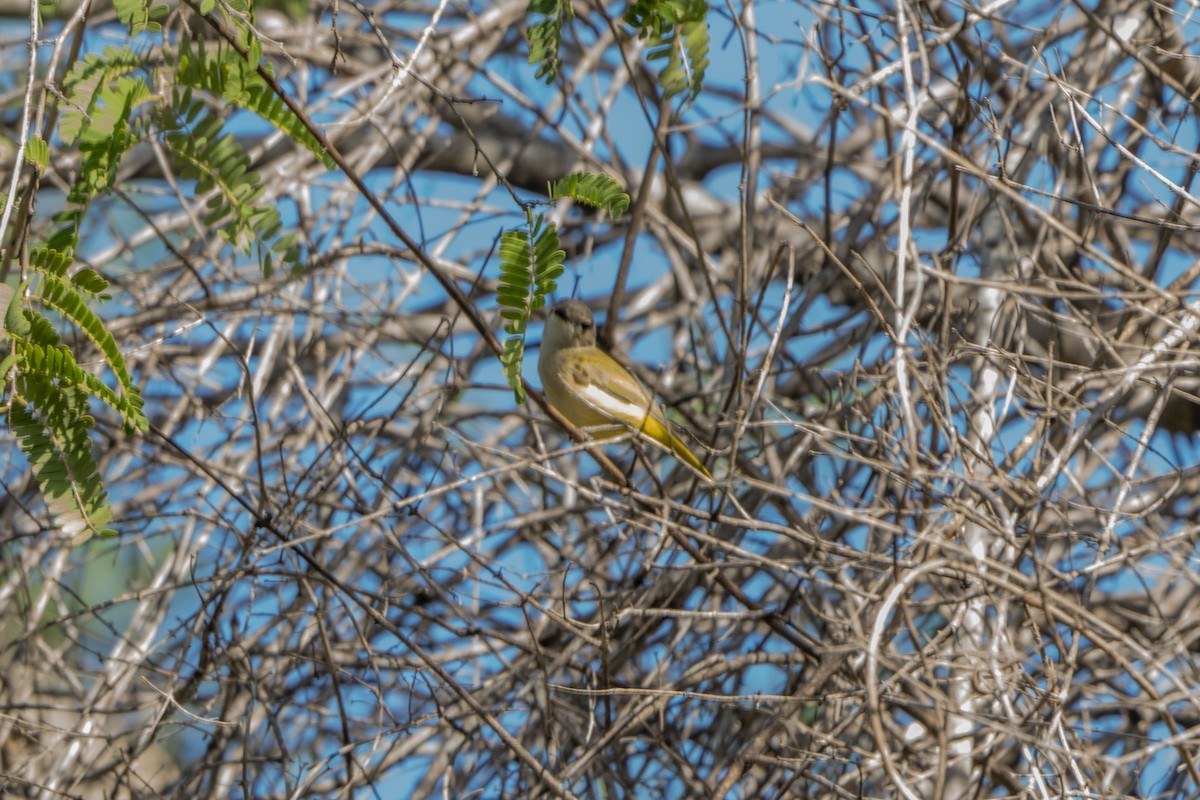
(593, 390)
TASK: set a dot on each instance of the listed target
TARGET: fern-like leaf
(15, 321)
(592, 189)
(545, 37)
(548, 257)
(54, 292)
(516, 280)
(234, 78)
(511, 358)
(58, 364)
(37, 152)
(106, 139)
(90, 283)
(140, 15)
(531, 261)
(41, 352)
(51, 426)
(50, 262)
(217, 162)
(83, 84)
(48, 410)
(219, 166)
(676, 33)
(41, 330)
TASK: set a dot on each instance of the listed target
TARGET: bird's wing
(607, 387)
(602, 384)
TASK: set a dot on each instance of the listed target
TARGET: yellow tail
(661, 434)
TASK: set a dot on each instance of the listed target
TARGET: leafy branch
(592, 189)
(545, 37)
(104, 115)
(48, 407)
(531, 261)
(675, 33)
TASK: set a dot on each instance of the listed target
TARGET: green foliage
(676, 33)
(83, 85)
(71, 306)
(90, 283)
(221, 169)
(545, 37)
(110, 135)
(48, 407)
(103, 95)
(32, 336)
(217, 162)
(592, 189)
(52, 430)
(99, 116)
(530, 263)
(102, 115)
(512, 358)
(48, 410)
(37, 152)
(14, 318)
(235, 79)
(294, 9)
(140, 16)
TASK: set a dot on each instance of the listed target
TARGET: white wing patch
(612, 406)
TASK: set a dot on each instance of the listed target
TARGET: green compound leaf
(545, 37)
(676, 34)
(51, 427)
(531, 260)
(592, 189)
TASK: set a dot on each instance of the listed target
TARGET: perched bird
(593, 390)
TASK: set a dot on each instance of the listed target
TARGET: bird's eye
(585, 325)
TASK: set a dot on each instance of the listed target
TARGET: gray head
(571, 324)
